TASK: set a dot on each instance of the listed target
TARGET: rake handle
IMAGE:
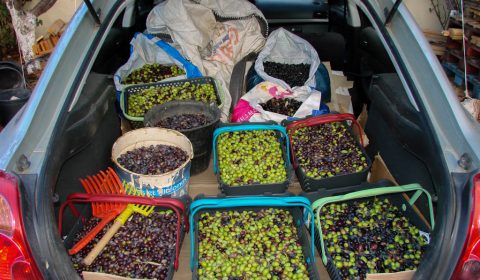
(87, 238)
(88, 260)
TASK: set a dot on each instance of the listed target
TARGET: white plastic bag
(148, 50)
(212, 45)
(283, 46)
(248, 108)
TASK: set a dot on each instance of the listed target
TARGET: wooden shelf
(477, 49)
(468, 27)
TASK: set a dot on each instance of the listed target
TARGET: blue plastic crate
(295, 204)
(475, 82)
(459, 76)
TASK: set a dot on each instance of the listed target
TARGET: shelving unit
(453, 58)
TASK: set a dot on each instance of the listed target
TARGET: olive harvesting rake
(105, 182)
(145, 210)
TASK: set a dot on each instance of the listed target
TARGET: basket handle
(124, 198)
(321, 120)
(191, 70)
(215, 203)
(176, 205)
(246, 201)
(249, 127)
(121, 101)
(318, 204)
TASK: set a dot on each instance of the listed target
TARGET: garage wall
(426, 19)
(62, 9)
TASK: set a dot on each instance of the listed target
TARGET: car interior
(395, 128)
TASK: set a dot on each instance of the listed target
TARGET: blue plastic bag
(148, 49)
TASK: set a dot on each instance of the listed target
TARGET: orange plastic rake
(101, 183)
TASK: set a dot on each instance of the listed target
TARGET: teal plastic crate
(298, 206)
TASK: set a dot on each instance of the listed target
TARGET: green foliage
(7, 34)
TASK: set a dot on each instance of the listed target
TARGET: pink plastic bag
(248, 107)
(242, 111)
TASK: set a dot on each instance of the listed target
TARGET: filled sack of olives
(287, 60)
(270, 102)
(153, 60)
(322, 81)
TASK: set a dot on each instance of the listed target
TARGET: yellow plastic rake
(145, 210)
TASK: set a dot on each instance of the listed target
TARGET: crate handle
(249, 127)
(215, 203)
(123, 108)
(127, 199)
(324, 119)
(318, 204)
(122, 100)
(246, 201)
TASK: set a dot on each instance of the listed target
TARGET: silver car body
(28, 137)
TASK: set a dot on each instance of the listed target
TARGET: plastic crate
(134, 89)
(293, 203)
(393, 193)
(176, 205)
(475, 82)
(310, 184)
(253, 189)
(458, 74)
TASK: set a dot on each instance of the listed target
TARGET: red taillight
(468, 267)
(16, 261)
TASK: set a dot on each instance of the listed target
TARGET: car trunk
(396, 130)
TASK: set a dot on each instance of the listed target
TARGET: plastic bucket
(11, 75)
(11, 101)
(170, 184)
(200, 137)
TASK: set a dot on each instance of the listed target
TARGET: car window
(293, 9)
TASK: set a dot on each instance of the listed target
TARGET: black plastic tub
(397, 199)
(200, 162)
(311, 184)
(201, 137)
(302, 234)
(254, 189)
(11, 76)
(85, 214)
(11, 101)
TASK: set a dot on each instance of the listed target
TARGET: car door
(418, 127)
(41, 128)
